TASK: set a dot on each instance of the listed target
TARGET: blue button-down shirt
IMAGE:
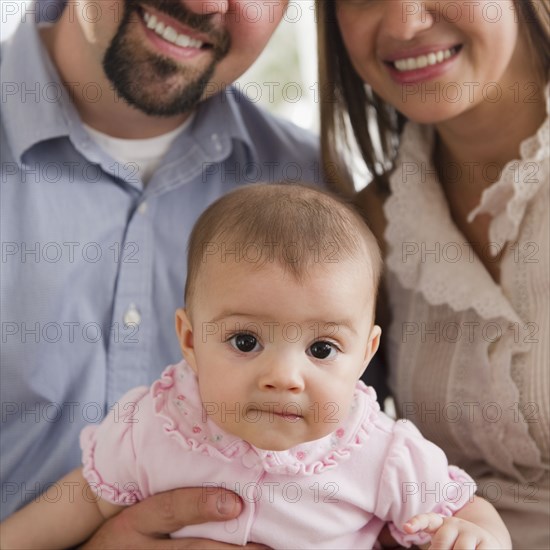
(93, 263)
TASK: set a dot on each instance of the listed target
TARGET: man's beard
(155, 84)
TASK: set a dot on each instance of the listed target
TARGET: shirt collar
(417, 252)
(35, 93)
(218, 122)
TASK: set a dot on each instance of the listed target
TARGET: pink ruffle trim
(103, 490)
(159, 392)
(233, 447)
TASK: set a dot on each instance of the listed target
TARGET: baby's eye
(245, 342)
(322, 350)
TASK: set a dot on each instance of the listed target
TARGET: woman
(447, 104)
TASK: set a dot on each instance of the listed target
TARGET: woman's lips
(423, 66)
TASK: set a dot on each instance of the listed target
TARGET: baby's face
(277, 360)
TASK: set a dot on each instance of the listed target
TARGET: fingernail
(225, 505)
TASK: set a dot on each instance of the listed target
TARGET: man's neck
(99, 106)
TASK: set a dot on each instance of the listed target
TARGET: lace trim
(507, 199)
(204, 440)
(185, 424)
(416, 250)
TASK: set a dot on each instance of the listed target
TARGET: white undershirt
(146, 153)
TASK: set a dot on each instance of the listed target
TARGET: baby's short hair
(293, 225)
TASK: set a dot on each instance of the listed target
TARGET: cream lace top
(469, 358)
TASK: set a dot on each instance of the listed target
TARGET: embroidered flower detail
(197, 429)
(300, 455)
(216, 437)
(340, 433)
(181, 397)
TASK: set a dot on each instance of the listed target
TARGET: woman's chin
(432, 113)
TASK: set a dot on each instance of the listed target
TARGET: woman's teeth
(168, 33)
(433, 58)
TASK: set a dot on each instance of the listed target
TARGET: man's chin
(158, 93)
(156, 106)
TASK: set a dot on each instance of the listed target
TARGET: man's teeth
(422, 61)
(169, 34)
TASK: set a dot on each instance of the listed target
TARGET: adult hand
(147, 525)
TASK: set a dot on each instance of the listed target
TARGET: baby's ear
(372, 345)
(184, 330)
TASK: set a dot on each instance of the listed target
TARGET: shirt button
(132, 316)
(216, 141)
(142, 208)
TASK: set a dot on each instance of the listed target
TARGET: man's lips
(172, 30)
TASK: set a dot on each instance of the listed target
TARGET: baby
(277, 330)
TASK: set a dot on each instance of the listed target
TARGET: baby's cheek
(325, 418)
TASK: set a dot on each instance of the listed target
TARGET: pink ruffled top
(337, 491)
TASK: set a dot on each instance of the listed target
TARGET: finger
(444, 538)
(167, 512)
(424, 522)
(485, 545)
(465, 541)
